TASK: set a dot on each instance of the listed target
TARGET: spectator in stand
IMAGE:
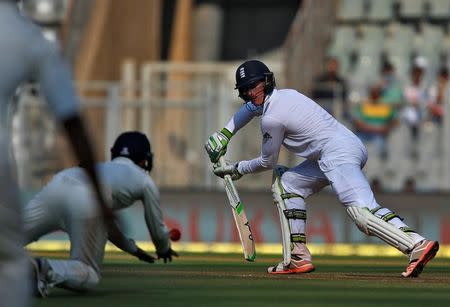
(330, 88)
(391, 87)
(437, 96)
(409, 186)
(373, 120)
(416, 99)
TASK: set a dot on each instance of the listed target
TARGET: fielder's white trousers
(67, 205)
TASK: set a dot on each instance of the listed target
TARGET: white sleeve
(154, 218)
(273, 136)
(55, 81)
(240, 119)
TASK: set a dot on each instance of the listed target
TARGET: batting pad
(374, 226)
(277, 191)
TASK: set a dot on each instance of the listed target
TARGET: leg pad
(295, 214)
(279, 195)
(372, 225)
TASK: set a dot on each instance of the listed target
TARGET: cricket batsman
(334, 156)
(68, 204)
(25, 54)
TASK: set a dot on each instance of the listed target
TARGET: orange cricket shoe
(423, 252)
(297, 265)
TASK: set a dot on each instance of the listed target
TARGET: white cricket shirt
(298, 123)
(127, 183)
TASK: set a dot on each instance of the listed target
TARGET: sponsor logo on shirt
(266, 137)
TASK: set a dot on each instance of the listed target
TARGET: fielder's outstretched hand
(143, 256)
(167, 256)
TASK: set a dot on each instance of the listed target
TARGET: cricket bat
(240, 218)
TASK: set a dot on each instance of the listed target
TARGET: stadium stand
(342, 46)
(350, 10)
(407, 34)
(411, 9)
(380, 11)
(438, 10)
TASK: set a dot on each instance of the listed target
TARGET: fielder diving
(334, 156)
(67, 203)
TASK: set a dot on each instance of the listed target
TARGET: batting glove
(227, 169)
(217, 144)
(167, 256)
(143, 256)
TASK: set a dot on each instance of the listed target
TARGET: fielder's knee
(91, 281)
(80, 278)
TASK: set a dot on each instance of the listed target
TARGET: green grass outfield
(227, 280)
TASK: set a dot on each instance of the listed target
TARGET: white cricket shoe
(423, 252)
(39, 284)
(297, 265)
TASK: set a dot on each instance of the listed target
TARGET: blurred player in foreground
(26, 54)
(334, 156)
(67, 204)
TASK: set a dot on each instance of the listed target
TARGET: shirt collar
(269, 99)
(123, 160)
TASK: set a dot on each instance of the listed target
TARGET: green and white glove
(227, 169)
(217, 144)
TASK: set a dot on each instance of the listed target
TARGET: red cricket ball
(174, 234)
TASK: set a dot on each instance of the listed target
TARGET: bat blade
(245, 235)
(240, 219)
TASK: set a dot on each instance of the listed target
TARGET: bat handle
(222, 162)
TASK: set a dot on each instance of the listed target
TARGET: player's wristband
(227, 133)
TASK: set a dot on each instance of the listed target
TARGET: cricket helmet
(135, 146)
(249, 73)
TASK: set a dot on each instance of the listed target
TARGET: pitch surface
(227, 280)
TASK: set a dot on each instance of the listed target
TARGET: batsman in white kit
(333, 156)
(67, 204)
(26, 54)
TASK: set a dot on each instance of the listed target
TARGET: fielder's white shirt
(304, 128)
(126, 183)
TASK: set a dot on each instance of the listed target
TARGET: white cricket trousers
(68, 205)
(347, 181)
